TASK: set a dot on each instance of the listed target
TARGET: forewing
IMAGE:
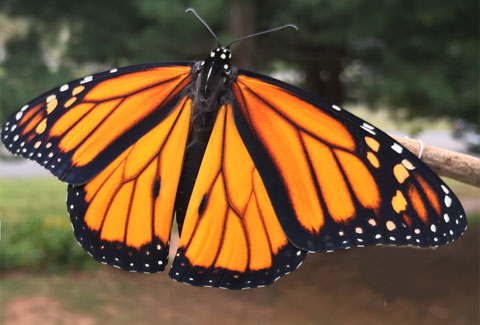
(334, 180)
(231, 237)
(76, 130)
(123, 216)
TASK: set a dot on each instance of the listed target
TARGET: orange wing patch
(315, 156)
(129, 205)
(112, 114)
(334, 180)
(430, 193)
(80, 127)
(231, 236)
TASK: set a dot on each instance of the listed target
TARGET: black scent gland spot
(156, 187)
(203, 205)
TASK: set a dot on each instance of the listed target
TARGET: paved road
(21, 168)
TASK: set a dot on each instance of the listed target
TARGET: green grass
(39, 197)
(36, 231)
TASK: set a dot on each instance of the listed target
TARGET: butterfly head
(221, 57)
(214, 72)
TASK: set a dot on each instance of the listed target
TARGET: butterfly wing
(231, 237)
(123, 216)
(78, 129)
(334, 180)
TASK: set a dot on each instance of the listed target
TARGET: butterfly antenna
(204, 23)
(264, 32)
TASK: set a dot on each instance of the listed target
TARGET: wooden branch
(461, 167)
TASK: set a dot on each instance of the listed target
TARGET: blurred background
(408, 67)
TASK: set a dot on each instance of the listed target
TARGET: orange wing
(334, 180)
(78, 129)
(231, 237)
(123, 216)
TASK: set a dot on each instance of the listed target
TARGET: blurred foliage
(36, 230)
(42, 244)
(421, 56)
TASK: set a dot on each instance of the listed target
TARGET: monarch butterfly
(257, 172)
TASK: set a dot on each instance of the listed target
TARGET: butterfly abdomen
(210, 89)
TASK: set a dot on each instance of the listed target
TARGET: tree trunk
(322, 76)
(242, 23)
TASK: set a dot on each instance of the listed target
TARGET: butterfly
(256, 172)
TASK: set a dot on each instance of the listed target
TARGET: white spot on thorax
(209, 73)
